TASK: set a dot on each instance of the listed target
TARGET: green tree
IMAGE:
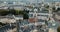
(3, 12)
(25, 14)
(12, 11)
(58, 29)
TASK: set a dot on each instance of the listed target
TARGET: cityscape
(29, 15)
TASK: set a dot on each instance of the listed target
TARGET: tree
(58, 29)
(58, 9)
(54, 9)
(25, 14)
(3, 12)
(2, 24)
(12, 11)
(47, 6)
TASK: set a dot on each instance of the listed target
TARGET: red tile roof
(32, 20)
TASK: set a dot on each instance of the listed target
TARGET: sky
(31, 0)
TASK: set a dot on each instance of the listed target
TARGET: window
(30, 15)
(42, 15)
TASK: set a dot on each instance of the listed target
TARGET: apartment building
(39, 13)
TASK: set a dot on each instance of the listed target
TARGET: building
(40, 14)
(52, 30)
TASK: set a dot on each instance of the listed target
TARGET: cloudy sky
(31, 0)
